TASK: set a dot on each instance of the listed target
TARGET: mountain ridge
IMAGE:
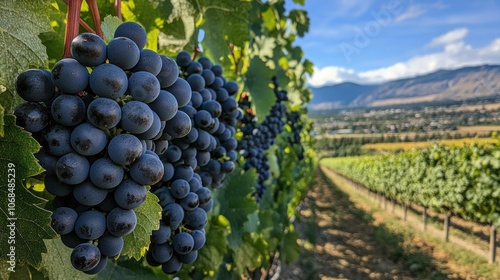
(458, 84)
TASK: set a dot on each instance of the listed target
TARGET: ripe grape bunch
(192, 163)
(106, 135)
(258, 138)
(295, 122)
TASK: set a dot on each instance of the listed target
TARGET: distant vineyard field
(426, 144)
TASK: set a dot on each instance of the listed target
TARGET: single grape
(129, 194)
(149, 61)
(217, 69)
(147, 170)
(133, 31)
(108, 80)
(182, 92)
(194, 184)
(121, 222)
(179, 126)
(162, 252)
(168, 172)
(231, 87)
(183, 172)
(68, 110)
(161, 235)
(85, 257)
(33, 117)
(153, 130)
(182, 243)
(179, 188)
(199, 239)
(104, 113)
(195, 219)
(63, 220)
(90, 225)
(105, 174)
(217, 84)
(196, 99)
(204, 195)
(173, 214)
(87, 140)
(209, 76)
(88, 49)
(169, 71)
(123, 52)
(72, 169)
(124, 149)
(88, 194)
(70, 76)
(222, 95)
(213, 107)
(196, 81)
(35, 86)
(203, 119)
(137, 117)
(143, 86)
(190, 202)
(194, 67)
(110, 245)
(183, 59)
(188, 258)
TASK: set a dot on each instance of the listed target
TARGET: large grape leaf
(218, 32)
(148, 219)
(290, 249)
(258, 79)
(236, 202)
(128, 269)
(56, 263)
(31, 223)
(20, 48)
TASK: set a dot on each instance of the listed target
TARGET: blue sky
(372, 41)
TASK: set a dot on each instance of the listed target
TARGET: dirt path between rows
(342, 240)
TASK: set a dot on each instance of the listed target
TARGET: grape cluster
(194, 162)
(102, 134)
(295, 122)
(258, 138)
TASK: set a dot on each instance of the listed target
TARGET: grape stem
(86, 26)
(118, 8)
(72, 24)
(73, 21)
(96, 18)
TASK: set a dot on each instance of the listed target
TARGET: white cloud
(455, 54)
(412, 12)
(450, 37)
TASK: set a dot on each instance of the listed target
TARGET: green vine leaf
(109, 25)
(128, 269)
(290, 249)
(258, 79)
(218, 34)
(20, 47)
(30, 223)
(148, 219)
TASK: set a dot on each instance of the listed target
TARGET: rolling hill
(460, 84)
